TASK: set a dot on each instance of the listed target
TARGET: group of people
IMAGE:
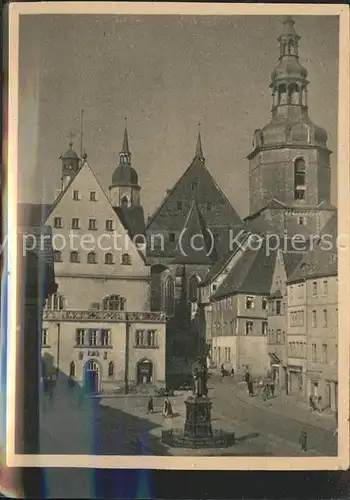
(167, 407)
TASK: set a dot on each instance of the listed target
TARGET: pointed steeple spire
(125, 155)
(199, 149)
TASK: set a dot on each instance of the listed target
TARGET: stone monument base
(198, 432)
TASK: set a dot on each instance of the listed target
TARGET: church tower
(124, 191)
(70, 166)
(289, 167)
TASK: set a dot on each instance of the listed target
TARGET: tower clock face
(201, 415)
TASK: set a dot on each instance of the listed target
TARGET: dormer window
(179, 206)
(249, 302)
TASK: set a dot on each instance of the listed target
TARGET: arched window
(125, 202)
(193, 289)
(108, 258)
(55, 302)
(72, 369)
(57, 256)
(169, 296)
(111, 369)
(91, 258)
(114, 303)
(282, 94)
(299, 179)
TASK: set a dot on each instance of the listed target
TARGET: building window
(278, 307)
(169, 296)
(57, 222)
(301, 221)
(140, 338)
(75, 223)
(75, 195)
(45, 338)
(92, 225)
(325, 287)
(278, 336)
(333, 258)
(249, 327)
(172, 237)
(93, 196)
(114, 303)
(179, 205)
(109, 225)
(249, 302)
(108, 258)
(193, 289)
(74, 257)
(111, 369)
(55, 302)
(314, 319)
(80, 337)
(126, 259)
(325, 317)
(264, 327)
(91, 258)
(264, 303)
(72, 369)
(208, 206)
(214, 287)
(313, 353)
(151, 338)
(57, 256)
(324, 353)
(314, 288)
(105, 337)
(299, 179)
(92, 337)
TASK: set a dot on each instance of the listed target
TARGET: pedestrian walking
(150, 408)
(232, 373)
(303, 440)
(272, 389)
(250, 388)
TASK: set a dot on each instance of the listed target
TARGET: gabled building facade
(98, 328)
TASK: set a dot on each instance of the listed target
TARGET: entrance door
(144, 372)
(92, 372)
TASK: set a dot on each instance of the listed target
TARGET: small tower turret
(70, 165)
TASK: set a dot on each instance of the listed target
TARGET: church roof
(322, 259)
(291, 260)
(216, 209)
(195, 244)
(253, 273)
(125, 175)
(133, 220)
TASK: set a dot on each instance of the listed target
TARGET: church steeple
(125, 155)
(199, 149)
(289, 79)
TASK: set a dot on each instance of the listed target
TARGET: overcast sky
(166, 74)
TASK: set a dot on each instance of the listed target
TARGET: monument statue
(200, 378)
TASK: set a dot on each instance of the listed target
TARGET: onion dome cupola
(125, 174)
(124, 189)
(290, 123)
(70, 165)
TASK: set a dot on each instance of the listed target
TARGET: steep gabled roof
(133, 219)
(273, 203)
(322, 260)
(167, 217)
(216, 269)
(291, 260)
(252, 273)
(195, 244)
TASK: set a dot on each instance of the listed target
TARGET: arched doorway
(92, 376)
(144, 371)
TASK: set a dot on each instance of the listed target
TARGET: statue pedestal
(198, 417)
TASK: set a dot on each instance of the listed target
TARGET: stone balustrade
(105, 316)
